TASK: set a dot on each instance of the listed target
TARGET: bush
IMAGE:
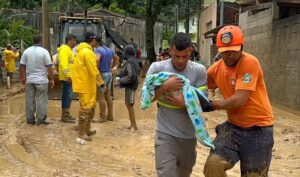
(13, 30)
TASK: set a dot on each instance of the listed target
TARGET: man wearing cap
(66, 60)
(106, 60)
(85, 79)
(247, 135)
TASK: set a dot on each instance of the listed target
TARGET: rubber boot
(82, 125)
(69, 115)
(216, 166)
(64, 116)
(102, 106)
(89, 131)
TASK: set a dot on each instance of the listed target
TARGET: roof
(103, 12)
(107, 13)
(213, 32)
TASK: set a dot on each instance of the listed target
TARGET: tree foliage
(22, 4)
(13, 30)
(149, 10)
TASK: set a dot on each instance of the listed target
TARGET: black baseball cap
(99, 39)
(90, 35)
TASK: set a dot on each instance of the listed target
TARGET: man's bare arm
(115, 61)
(98, 58)
(51, 77)
(22, 71)
(237, 100)
(170, 85)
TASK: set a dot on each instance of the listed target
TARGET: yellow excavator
(76, 25)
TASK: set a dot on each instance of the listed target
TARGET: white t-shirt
(37, 60)
(176, 122)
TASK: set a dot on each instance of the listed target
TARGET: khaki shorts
(129, 96)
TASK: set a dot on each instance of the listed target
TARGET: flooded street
(27, 150)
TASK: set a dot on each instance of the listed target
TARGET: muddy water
(114, 152)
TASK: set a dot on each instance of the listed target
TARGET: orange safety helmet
(230, 38)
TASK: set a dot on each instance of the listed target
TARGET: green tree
(22, 4)
(153, 9)
(13, 30)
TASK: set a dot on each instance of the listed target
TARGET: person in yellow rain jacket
(66, 60)
(10, 57)
(85, 79)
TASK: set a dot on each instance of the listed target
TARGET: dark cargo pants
(252, 146)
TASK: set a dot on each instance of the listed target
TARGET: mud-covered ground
(38, 151)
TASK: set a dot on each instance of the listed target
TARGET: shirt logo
(232, 81)
(247, 78)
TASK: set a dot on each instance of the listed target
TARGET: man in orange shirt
(247, 135)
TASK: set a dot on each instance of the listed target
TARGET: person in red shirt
(247, 135)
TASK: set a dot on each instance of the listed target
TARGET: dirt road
(39, 151)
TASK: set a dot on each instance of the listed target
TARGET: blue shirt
(106, 58)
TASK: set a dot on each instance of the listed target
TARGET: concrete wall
(276, 43)
(208, 21)
(193, 26)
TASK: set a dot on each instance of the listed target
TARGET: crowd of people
(89, 74)
(246, 135)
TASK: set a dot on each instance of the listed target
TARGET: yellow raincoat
(10, 58)
(66, 60)
(85, 75)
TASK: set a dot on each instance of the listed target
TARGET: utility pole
(46, 25)
(68, 11)
(85, 21)
(85, 18)
(187, 21)
(199, 11)
(221, 12)
(176, 18)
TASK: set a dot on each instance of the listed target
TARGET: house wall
(207, 22)
(193, 26)
(276, 43)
